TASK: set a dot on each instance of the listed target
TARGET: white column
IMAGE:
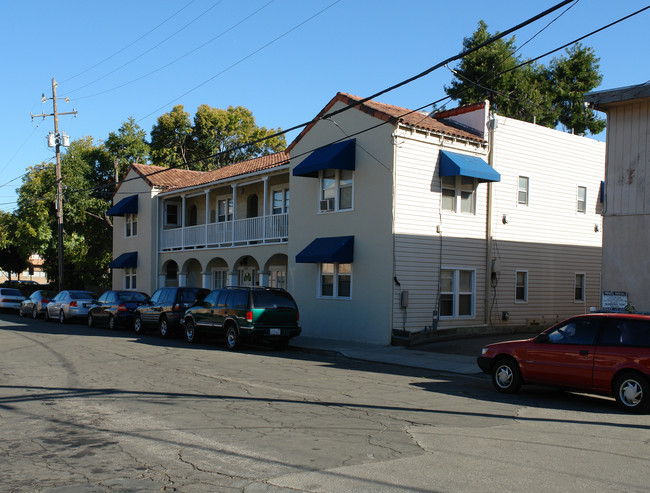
(265, 212)
(233, 278)
(206, 279)
(234, 210)
(207, 214)
(264, 278)
(161, 281)
(182, 279)
(183, 222)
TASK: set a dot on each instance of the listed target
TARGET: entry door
(247, 276)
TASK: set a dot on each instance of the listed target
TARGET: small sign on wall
(614, 300)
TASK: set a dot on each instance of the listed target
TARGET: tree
(548, 95)
(85, 167)
(13, 257)
(212, 139)
(128, 145)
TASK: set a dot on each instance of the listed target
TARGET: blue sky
(282, 59)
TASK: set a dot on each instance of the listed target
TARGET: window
(130, 225)
(522, 193)
(336, 189)
(582, 200)
(280, 201)
(456, 293)
(521, 286)
(580, 331)
(619, 332)
(278, 277)
(129, 279)
(224, 210)
(171, 214)
(579, 288)
(219, 278)
(458, 193)
(335, 280)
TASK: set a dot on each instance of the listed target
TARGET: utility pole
(57, 140)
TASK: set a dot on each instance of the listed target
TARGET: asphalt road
(90, 410)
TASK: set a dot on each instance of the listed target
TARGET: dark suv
(165, 309)
(236, 313)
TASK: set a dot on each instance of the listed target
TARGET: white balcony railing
(265, 229)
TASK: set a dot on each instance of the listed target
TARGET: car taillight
(297, 316)
(45, 300)
(122, 308)
(249, 316)
(177, 307)
(73, 304)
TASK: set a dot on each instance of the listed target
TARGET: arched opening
(171, 274)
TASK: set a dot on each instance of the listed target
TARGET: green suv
(238, 313)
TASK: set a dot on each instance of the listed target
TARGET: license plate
(275, 332)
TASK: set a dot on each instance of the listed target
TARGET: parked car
(10, 299)
(166, 308)
(36, 303)
(603, 353)
(238, 313)
(70, 304)
(115, 308)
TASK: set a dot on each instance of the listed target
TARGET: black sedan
(115, 308)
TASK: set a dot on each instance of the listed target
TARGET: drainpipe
(492, 123)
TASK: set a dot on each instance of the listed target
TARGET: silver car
(10, 299)
(67, 305)
(34, 306)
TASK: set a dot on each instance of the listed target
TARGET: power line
(130, 44)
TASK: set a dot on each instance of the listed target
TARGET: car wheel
(506, 376)
(632, 392)
(232, 337)
(91, 320)
(137, 325)
(20, 312)
(35, 312)
(61, 317)
(111, 322)
(164, 327)
(191, 334)
(47, 315)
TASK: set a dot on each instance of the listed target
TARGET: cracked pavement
(86, 410)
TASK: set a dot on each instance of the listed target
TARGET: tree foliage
(212, 139)
(551, 95)
(128, 145)
(13, 255)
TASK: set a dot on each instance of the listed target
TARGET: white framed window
(280, 201)
(582, 200)
(457, 287)
(130, 278)
(522, 190)
(278, 277)
(521, 286)
(130, 225)
(172, 216)
(335, 280)
(579, 287)
(224, 210)
(219, 278)
(458, 194)
(336, 190)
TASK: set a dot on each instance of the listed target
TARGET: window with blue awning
(454, 164)
(127, 260)
(129, 205)
(335, 156)
(335, 249)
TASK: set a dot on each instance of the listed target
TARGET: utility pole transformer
(59, 140)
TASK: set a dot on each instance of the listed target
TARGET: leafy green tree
(128, 145)
(550, 95)
(87, 235)
(212, 139)
(13, 256)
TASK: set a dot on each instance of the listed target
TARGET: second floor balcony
(250, 231)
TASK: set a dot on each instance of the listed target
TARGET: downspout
(157, 224)
(492, 123)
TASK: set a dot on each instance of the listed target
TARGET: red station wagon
(603, 353)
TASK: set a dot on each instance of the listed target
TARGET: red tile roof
(394, 114)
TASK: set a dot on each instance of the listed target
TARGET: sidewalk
(393, 355)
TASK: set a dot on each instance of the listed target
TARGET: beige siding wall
(548, 238)
(366, 316)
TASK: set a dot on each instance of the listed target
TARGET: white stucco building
(382, 221)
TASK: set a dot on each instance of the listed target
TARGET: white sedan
(10, 299)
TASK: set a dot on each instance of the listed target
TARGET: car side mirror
(542, 338)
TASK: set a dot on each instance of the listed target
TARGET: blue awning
(334, 249)
(127, 260)
(453, 164)
(336, 156)
(128, 205)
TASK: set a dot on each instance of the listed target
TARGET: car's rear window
(190, 295)
(272, 299)
(10, 292)
(626, 332)
(81, 295)
(132, 296)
